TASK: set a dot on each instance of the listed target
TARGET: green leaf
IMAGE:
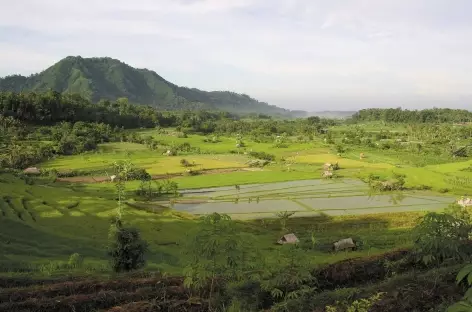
(468, 294)
(277, 293)
(460, 307)
(463, 273)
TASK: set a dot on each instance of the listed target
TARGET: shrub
(75, 261)
(127, 250)
(191, 172)
(213, 139)
(468, 169)
(185, 163)
(257, 163)
(138, 174)
(262, 155)
(423, 187)
(281, 145)
(385, 145)
(441, 236)
(340, 149)
(394, 184)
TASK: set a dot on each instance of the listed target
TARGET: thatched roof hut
(32, 170)
(343, 244)
(288, 239)
(465, 202)
(327, 174)
(328, 166)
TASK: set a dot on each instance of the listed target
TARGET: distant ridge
(107, 78)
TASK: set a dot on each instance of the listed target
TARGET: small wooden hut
(288, 239)
(343, 244)
(32, 170)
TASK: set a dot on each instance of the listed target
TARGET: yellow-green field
(48, 221)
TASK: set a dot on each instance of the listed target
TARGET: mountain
(107, 78)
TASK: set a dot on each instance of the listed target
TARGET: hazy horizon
(305, 55)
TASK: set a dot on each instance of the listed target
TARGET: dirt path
(101, 179)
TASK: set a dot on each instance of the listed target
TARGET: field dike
(101, 179)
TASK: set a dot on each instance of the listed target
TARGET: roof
(32, 170)
(465, 202)
(288, 239)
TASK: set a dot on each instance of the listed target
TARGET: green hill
(107, 78)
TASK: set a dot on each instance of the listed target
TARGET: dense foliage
(128, 249)
(435, 115)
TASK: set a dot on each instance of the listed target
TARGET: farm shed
(327, 166)
(347, 243)
(32, 170)
(288, 239)
(327, 174)
(465, 202)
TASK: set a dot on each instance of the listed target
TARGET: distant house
(288, 239)
(343, 244)
(32, 170)
(327, 174)
(465, 202)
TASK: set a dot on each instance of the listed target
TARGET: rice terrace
(113, 206)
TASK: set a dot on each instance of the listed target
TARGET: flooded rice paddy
(306, 198)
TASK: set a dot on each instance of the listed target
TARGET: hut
(288, 239)
(465, 202)
(343, 244)
(327, 174)
(327, 166)
(32, 170)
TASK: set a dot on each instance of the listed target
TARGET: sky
(298, 54)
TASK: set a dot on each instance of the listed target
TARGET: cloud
(351, 52)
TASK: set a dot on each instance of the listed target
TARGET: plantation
(196, 203)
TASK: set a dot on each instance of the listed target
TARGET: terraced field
(305, 198)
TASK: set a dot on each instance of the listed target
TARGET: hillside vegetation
(120, 207)
(110, 79)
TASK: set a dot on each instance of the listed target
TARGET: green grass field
(46, 222)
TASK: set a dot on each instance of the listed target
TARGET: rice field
(305, 198)
(47, 221)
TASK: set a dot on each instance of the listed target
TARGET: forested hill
(435, 115)
(107, 78)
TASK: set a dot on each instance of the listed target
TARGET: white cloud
(300, 49)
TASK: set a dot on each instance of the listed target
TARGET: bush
(127, 250)
(262, 155)
(75, 261)
(138, 174)
(441, 236)
(213, 139)
(185, 163)
(395, 184)
(340, 149)
(191, 172)
(423, 187)
(281, 145)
